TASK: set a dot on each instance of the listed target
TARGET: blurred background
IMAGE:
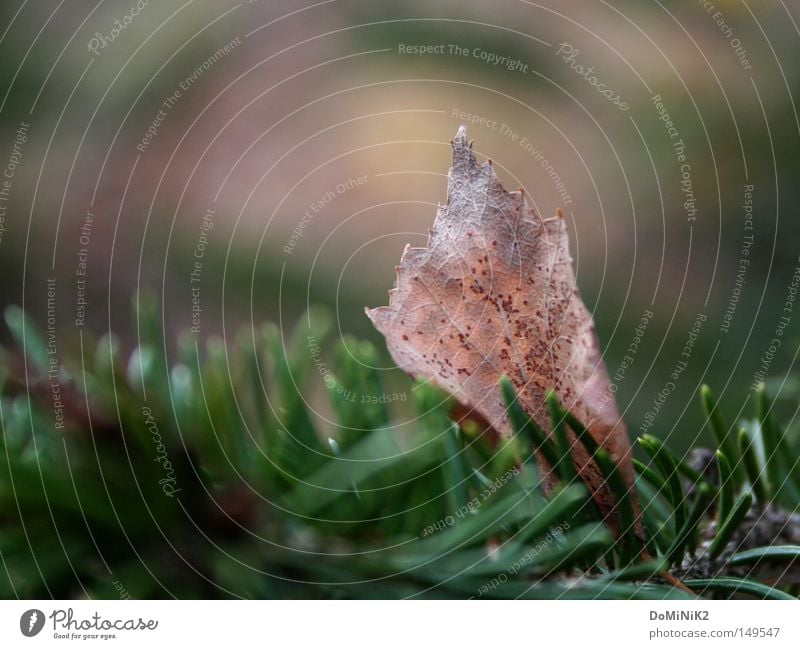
(246, 160)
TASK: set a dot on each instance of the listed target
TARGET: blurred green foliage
(212, 477)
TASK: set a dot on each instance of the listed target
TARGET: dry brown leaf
(494, 293)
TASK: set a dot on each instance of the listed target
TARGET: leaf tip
(462, 150)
